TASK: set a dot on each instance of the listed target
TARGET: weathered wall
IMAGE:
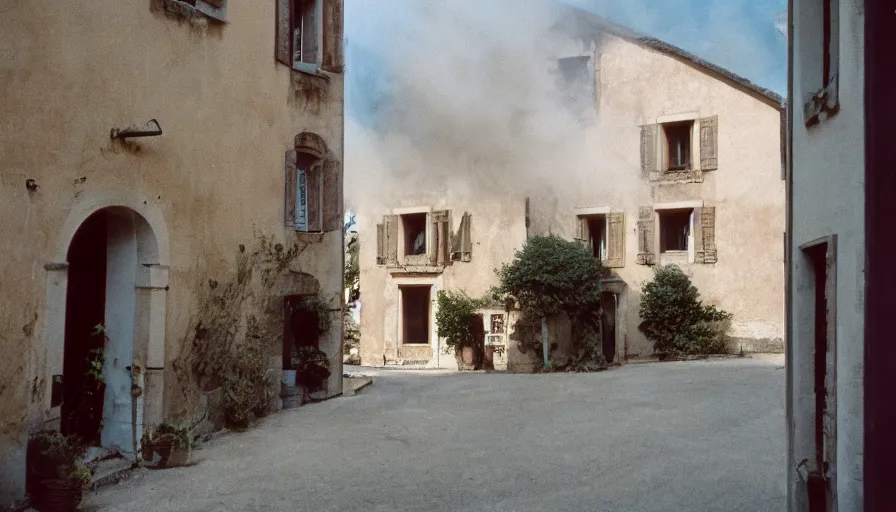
(212, 181)
(827, 197)
(637, 87)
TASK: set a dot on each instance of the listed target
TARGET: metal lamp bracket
(150, 129)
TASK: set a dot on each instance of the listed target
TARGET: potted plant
(459, 322)
(262, 408)
(172, 442)
(240, 399)
(312, 371)
(56, 471)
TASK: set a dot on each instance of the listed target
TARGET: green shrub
(674, 318)
(551, 275)
(312, 369)
(457, 318)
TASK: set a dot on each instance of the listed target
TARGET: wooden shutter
(441, 229)
(214, 9)
(333, 60)
(615, 240)
(380, 244)
(390, 223)
(646, 231)
(648, 150)
(705, 235)
(582, 229)
(291, 190)
(283, 47)
(315, 182)
(332, 196)
(462, 243)
(709, 143)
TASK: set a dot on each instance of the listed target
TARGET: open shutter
(390, 223)
(333, 60)
(332, 196)
(709, 145)
(648, 150)
(291, 190)
(582, 230)
(315, 182)
(284, 32)
(705, 235)
(380, 245)
(441, 229)
(214, 9)
(615, 240)
(462, 244)
(646, 231)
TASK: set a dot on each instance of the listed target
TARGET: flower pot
(58, 496)
(179, 457)
(466, 355)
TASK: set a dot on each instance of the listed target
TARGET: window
(593, 233)
(306, 33)
(577, 84)
(309, 35)
(678, 144)
(496, 324)
(819, 38)
(414, 227)
(675, 230)
(313, 182)
(308, 193)
(415, 306)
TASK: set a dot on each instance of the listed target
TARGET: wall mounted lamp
(150, 129)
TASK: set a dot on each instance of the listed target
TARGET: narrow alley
(688, 436)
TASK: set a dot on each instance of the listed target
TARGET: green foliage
(674, 318)
(80, 476)
(457, 319)
(316, 306)
(240, 398)
(352, 263)
(551, 275)
(312, 369)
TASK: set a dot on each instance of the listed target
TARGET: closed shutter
(648, 150)
(441, 228)
(582, 230)
(333, 60)
(284, 32)
(615, 240)
(646, 231)
(332, 196)
(380, 244)
(214, 9)
(291, 190)
(705, 235)
(709, 145)
(315, 182)
(390, 223)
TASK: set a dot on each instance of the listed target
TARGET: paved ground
(688, 437)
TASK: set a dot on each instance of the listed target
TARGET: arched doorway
(112, 314)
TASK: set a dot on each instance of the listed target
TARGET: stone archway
(128, 292)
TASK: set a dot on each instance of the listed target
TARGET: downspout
(787, 150)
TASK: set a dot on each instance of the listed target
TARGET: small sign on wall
(302, 202)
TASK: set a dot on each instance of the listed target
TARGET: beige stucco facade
(827, 256)
(186, 203)
(635, 86)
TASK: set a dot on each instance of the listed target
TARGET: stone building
(682, 166)
(171, 170)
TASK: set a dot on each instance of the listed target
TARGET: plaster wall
(212, 181)
(828, 193)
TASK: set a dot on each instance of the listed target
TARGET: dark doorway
(300, 327)
(415, 314)
(608, 325)
(83, 395)
(818, 485)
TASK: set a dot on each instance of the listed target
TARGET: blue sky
(739, 35)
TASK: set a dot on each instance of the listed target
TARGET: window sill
(415, 269)
(312, 70)
(416, 344)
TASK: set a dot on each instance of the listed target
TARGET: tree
(551, 275)
(674, 318)
(457, 318)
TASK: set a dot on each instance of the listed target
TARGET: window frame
(294, 10)
(402, 253)
(685, 126)
(315, 167)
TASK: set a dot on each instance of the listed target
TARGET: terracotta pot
(466, 355)
(58, 496)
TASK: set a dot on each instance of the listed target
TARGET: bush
(457, 319)
(551, 275)
(674, 318)
(312, 370)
